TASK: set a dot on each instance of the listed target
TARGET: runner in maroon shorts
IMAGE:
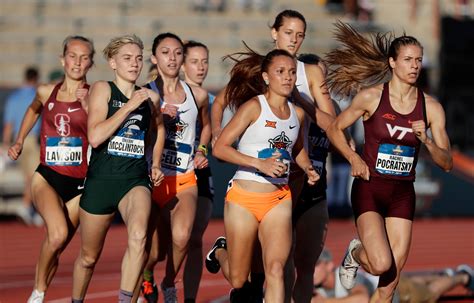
(396, 117)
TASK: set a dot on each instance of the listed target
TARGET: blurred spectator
(209, 5)
(16, 106)
(420, 288)
(250, 5)
(353, 10)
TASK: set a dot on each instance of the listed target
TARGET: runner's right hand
(15, 151)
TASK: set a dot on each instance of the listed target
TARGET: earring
(266, 81)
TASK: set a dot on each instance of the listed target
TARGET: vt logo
(393, 130)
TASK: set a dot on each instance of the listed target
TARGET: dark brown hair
(162, 37)
(288, 13)
(361, 61)
(246, 76)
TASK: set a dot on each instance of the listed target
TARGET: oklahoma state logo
(175, 128)
(280, 141)
(269, 123)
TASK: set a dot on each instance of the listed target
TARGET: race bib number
(176, 156)
(63, 151)
(128, 143)
(285, 158)
(395, 160)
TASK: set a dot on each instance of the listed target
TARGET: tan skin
(195, 67)
(242, 228)
(383, 237)
(135, 206)
(290, 37)
(61, 217)
(313, 222)
(178, 215)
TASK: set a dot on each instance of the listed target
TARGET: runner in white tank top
(177, 195)
(258, 201)
(195, 67)
(277, 135)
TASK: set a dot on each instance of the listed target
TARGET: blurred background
(31, 33)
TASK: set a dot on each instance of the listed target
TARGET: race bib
(285, 158)
(128, 143)
(63, 151)
(176, 156)
(395, 160)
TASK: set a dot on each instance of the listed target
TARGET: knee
(274, 270)
(237, 281)
(380, 264)
(57, 238)
(87, 259)
(137, 239)
(181, 238)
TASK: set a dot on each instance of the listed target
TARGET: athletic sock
(125, 296)
(188, 300)
(77, 301)
(148, 275)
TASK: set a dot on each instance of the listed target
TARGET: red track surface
(437, 243)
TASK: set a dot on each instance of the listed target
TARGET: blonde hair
(116, 43)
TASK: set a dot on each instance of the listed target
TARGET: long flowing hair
(245, 77)
(358, 62)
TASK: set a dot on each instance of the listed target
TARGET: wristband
(202, 148)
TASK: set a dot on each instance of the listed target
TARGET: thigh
(93, 231)
(135, 207)
(203, 215)
(47, 202)
(310, 234)
(183, 211)
(372, 234)
(275, 232)
(399, 233)
(241, 232)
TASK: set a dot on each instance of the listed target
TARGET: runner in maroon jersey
(59, 179)
(396, 117)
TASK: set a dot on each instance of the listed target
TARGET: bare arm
(361, 105)
(200, 159)
(245, 116)
(217, 113)
(29, 119)
(319, 91)
(156, 173)
(439, 146)
(302, 158)
(99, 127)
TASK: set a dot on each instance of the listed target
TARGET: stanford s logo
(394, 129)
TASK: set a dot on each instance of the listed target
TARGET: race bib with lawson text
(395, 160)
(128, 143)
(176, 155)
(285, 157)
(63, 151)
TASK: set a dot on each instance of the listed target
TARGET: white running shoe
(349, 266)
(36, 297)
(169, 294)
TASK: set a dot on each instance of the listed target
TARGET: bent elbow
(93, 141)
